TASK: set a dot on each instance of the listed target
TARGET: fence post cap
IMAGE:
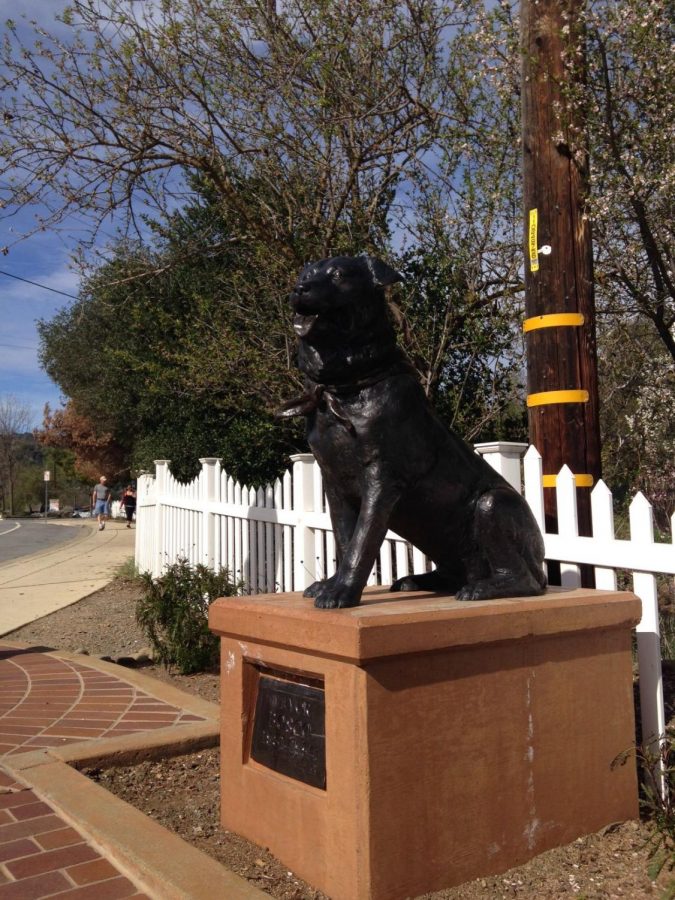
(210, 460)
(302, 457)
(501, 447)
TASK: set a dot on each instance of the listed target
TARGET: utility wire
(19, 347)
(35, 284)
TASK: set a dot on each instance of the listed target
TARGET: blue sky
(43, 258)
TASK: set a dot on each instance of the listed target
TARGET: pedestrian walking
(128, 502)
(100, 498)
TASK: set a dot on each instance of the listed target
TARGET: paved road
(21, 537)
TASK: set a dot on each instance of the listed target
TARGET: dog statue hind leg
(502, 558)
(507, 548)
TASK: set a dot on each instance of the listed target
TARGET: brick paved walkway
(42, 856)
(48, 701)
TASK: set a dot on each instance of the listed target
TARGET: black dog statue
(387, 459)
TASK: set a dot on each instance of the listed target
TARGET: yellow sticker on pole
(532, 241)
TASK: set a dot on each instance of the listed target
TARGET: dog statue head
(339, 290)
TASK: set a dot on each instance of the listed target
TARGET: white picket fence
(279, 538)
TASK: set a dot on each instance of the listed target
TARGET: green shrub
(128, 571)
(173, 613)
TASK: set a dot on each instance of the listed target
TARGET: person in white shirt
(100, 499)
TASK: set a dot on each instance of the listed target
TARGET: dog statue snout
(297, 294)
(300, 301)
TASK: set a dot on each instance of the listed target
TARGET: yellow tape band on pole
(532, 240)
(547, 397)
(549, 481)
(554, 320)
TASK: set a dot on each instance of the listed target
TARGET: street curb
(86, 531)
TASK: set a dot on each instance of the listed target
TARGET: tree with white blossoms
(330, 107)
(637, 388)
(630, 104)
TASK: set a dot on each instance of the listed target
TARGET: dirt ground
(183, 793)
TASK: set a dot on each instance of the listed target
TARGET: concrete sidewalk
(34, 586)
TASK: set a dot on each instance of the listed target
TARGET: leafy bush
(173, 612)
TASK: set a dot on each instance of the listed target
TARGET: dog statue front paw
(317, 586)
(336, 596)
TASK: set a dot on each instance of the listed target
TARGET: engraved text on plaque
(289, 729)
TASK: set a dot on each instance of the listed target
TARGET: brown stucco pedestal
(460, 738)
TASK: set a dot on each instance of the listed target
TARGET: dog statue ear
(381, 273)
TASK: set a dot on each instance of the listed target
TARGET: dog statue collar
(327, 394)
(312, 400)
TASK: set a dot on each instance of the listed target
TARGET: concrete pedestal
(460, 738)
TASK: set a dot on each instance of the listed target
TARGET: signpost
(47, 477)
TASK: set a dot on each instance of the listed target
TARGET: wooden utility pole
(560, 324)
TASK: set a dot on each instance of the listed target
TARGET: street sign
(47, 475)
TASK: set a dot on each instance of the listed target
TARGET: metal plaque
(289, 734)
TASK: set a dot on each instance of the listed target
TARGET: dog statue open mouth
(302, 325)
(388, 461)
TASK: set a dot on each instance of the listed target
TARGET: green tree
(29, 492)
(463, 341)
(194, 350)
(182, 366)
